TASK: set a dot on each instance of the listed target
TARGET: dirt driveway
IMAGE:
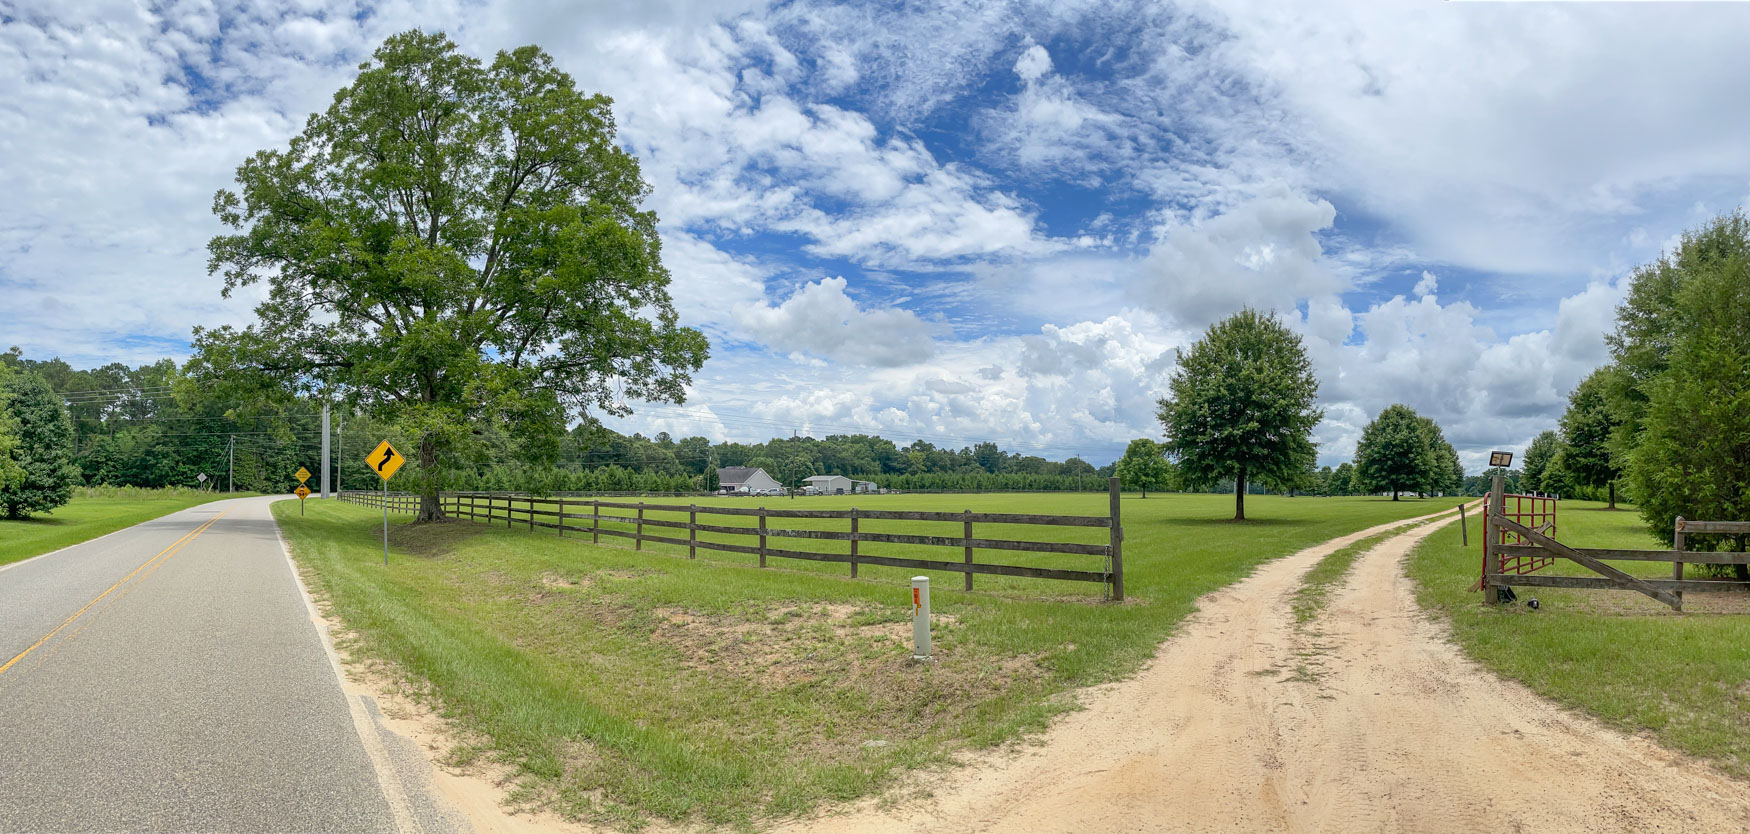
(1368, 720)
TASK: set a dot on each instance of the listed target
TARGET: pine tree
(43, 449)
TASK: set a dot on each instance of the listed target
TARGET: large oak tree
(450, 243)
(1398, 451)
(1242, 406)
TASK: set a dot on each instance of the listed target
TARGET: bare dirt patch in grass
(834, 650)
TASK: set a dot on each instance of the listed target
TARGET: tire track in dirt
(1397, 732)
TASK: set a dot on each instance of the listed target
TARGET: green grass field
(1624, 658)
(92, 513)
(626, 686)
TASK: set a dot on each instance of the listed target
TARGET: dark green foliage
(1538, 457)
(456, 248)
(1400, 451)
(1144, 467)
(1654, 318)
(1342, 480)
(41, 474)
(1692, 457)
(11, 474)
(1241, 406)
(1587, 427)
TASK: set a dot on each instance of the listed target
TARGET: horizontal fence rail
(587, 516)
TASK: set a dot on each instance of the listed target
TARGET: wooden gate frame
(1668, 591)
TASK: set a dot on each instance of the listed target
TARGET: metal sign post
(303, 490)
(385, 461)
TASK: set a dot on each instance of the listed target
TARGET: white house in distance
(836, 485)
(827, 485)
(747, 481)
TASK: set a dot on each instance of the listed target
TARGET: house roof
(731, 475)
(823, 477)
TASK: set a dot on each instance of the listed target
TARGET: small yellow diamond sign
(384, 460)
(303, 474)
(302, 492)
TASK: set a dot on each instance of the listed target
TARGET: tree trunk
(1240, 496)
(430, 509)
(1394, 494)
(1612, 487)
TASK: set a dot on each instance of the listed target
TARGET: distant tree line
(155, 426)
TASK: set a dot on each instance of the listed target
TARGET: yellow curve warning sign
(384, 460)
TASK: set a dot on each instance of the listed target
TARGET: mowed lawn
(90, 514)
(1621, 656)
(627, 686)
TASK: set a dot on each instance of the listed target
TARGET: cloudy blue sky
(966, 221)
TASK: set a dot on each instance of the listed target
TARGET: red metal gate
(1537, 512)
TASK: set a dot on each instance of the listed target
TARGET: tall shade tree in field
(1144, 466)
(1397, 453)
(40, 473)
(1538, 457)
(451, 244)
(1586, 431)
(1692, 457)
(1241, 405)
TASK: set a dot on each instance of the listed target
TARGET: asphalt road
(169, 677)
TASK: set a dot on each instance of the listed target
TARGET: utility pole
(231, 465)
(340, 446)
(325, 455)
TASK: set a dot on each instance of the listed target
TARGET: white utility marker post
(920, 618)
(325, 450)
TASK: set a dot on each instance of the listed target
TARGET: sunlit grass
(1625, 658)
(624, 686)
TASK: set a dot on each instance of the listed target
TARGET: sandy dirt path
(1396, 731)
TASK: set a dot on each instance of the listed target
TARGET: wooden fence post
(509, 510)
(1679, 543)
(638, 537)
(1491, 566)
(562, 518)
(692, 531)
(966, 532)
(531, 501)
(762, 537)
(853, 542)
(595, 524)
(1463, 526)
(1116, 539)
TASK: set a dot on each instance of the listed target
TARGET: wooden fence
(597, 518)
(1539, 545)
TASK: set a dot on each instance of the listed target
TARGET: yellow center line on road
(164, 554)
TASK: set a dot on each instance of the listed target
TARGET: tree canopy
(1538, 472)
(1691, 454)
(1402, 451)
(40, 474)
(1242, 405)
(451, 243)
(1144, 466)
(1587, 427)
